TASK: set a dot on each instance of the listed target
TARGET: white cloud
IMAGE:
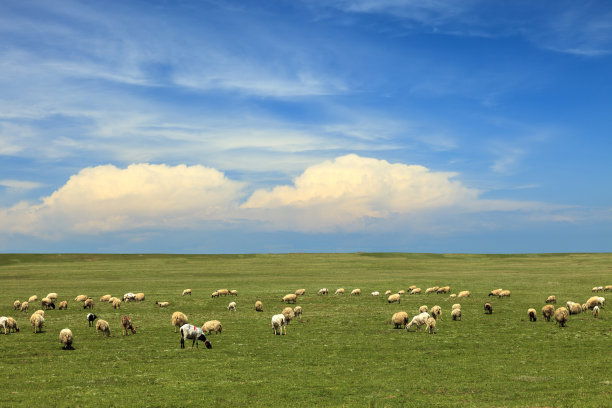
(20, 184)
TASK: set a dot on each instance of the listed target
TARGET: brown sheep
(126, 324)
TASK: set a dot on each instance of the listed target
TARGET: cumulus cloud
(107, 198)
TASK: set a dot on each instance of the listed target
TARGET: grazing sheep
(561, 316)
(597, 289)
(212, 326)
(278, 323)
(375, 293)
(90, 319)
(88, 304)
(443, 289)
(596, 311)
(300, 292)
(339, 291)
(431, 325)
(11, 324)
(323, 291)
(423, 308)
(504, 293)
(394, 298)
(289, 298)
(591, 302)
(551, 299)
(65, 337)
(233, 292)
(186, 292)
(128, 297)
(456, 306)
(607, 288)
(297, 311)
(436, 312)
(105, 298)
(231, 306)
(456, 314)
(601, 301)
(584, 307)
(33, 298)
(401, 292)
(430, 290)
(162, 304)
(189, 331)
(4, 324)
(116, 303)
(40, 312)
(418, 320)
(387, 293)
(47, 303)
(16, 305)
(415, 291)
(52, 296)
(411, 287)
(569, 303)
(258, 306)
(453, 295)
(223, 292)
(548, 311)
(464, 293)
(288, 313)
(356, 292)
(24, 307)
(495, 292)
(37, 322)
(488, 309)
(178, 319)
(139, 297)
(63, 305)
(532, 315)
(112, 299)
(102, 326)
(575, 308)
(399, 319)
(126, 324)
(81, 298)
(214, 294)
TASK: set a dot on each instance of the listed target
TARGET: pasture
(343, 352)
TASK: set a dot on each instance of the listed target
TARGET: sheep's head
(207, 344)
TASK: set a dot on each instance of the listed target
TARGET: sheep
(102, 326)
(596, 311)
(289, 298)
(47, 303)
(258, 306)
(212, 326)
(231, 306)
(597, 289)
(591, 302)
(297, 311)
(16, 305)
(607, 288)
(63, 305)
(178, 319)
(214, 294)
(52, 296)
(356, 292)
(401, 292)
(375, 293)
(443, 289)
(278, 323)
(112, 299)
(11, 324)
(436, 312)
(561, 316)
(323, 291)
(548, 311)
(551, 299)
(223, 292)
(189, 331)
(504, 293)
(584, 307)
(430, 290)
(37, 321)
(81, 298)
(601, 301)
(415, 291)
(4, 324)
(289, 314)
(233, 292)
(394, 298)
(423, 309)
(488, 309)
(464, 293)
(495, 292)
(339, 291)
(65, 337)
(24, 307)
(456, 314)
(431, 325)
(162, 304)
(418, 320)
(90, 319)
(453, 295)
(399, 319)
(456, 306)
(532, 314)
(411, 287)
(126, 324)
(88, 304)
(300, 292)
(33, 298)
(116, 303)
(569, 303)
(575, 308)
(186, 292)
(128, 297)
(387, 293)
(105, 298)
(40, 312)
(139, 297)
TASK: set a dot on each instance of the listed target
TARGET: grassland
(343, 352)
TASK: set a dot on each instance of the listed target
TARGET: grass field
(343, 352)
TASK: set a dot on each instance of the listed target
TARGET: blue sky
(305, 126)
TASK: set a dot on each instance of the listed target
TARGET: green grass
(343, 352)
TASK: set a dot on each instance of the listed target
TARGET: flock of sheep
(279, 322)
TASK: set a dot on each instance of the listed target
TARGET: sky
(305, 126)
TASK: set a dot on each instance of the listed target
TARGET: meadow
(344, 351)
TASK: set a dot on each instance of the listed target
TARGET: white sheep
(81, 298)
(105, 298)
(356, 292)
(394, 298)
(139, 297)
(37, 321)
(178, 320)
(415, 291)
(418, 320)
(431, 325)
(456, 306)
(128, 297)
(278, 323)
(423, 308)
(551, 299)
(323, 291)
(297, 311)
(339, 291)
(601, 301)
(52, 296)
(231, 306)
(33, 298)
(102, 326)
(387, 293)
(456, 314)
(116, 303)
(162, 304)
(532, 314)
(66, 338)
(24, 307)
(212, 326)
(596, 311)
(436, 312)
(300, 292)
(289, 314)
(16, 305)
(11, 324)
(4, 324)
(191, 332)
(464, 293)
(186, 292)
(289, 298)
(258, 306)
(399, 319)
(375, 293)
(63, 305)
